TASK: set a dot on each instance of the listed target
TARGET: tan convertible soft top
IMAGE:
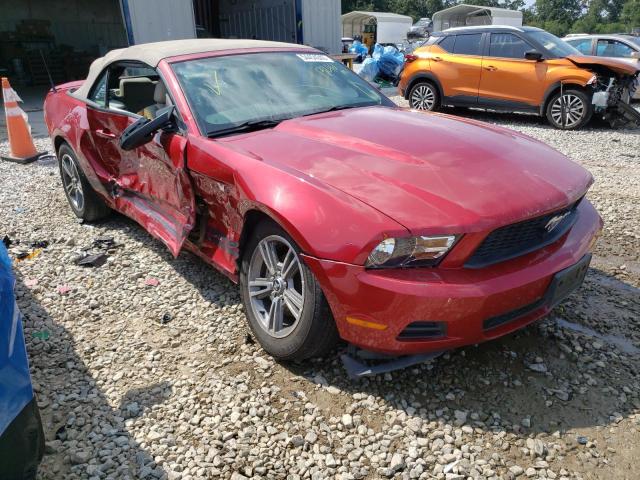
(153, 53)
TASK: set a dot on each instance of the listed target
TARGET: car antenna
(46, 67)
(563, 113)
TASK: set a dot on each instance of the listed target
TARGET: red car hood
(429, 172)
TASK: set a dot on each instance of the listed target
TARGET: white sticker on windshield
(314, 57)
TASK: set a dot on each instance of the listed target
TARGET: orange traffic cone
(22, 148)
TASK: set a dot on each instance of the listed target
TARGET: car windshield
(232, 93)
(556, 46)
(633, 39)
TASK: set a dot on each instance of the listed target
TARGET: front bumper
(461, 299)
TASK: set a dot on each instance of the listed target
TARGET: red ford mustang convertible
(339, 214)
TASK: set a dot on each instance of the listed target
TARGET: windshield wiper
(335, 108)
(248, 126)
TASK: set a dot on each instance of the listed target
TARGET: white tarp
(464, 15)
(391, 27)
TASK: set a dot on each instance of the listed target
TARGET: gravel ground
(144, 367)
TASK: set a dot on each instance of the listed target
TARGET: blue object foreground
(21, 435)
(15, 383)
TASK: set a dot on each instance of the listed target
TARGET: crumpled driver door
(154, 188)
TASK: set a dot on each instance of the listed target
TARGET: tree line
(557, 16)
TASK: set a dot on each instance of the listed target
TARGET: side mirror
(533, 55)
(143, 130)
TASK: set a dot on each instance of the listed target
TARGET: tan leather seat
(161, 100)
(137, 93)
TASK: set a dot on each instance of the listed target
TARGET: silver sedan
(618, 46)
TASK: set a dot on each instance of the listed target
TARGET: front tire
(283, 302)
(424, 96)
(570, 111)
(83, 200)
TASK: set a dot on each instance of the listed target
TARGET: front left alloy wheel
(285, 307)
(570, 110)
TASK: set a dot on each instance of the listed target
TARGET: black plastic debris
(40, 244)
(22, 255)
(61, 433)
(7, 241)
(96, 254)
(363, 363)
(248, 340)
(93, 260)
(105, 243)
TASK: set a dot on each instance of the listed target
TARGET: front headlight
(410, 252)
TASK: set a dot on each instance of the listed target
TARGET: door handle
(436, 59)
(491, 68)
(105, 133)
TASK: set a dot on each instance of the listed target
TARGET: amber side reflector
(366, 324)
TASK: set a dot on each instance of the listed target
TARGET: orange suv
(518, 69)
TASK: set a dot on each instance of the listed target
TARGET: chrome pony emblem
(555, 221)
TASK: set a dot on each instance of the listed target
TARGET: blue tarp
(386, 62)
(359, 49)
(391, 61)
(370, 69)
(15, 383)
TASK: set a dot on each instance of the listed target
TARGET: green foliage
(557, 16)
(559, 13)
(553, 26)
(510, 4)
(631, 13)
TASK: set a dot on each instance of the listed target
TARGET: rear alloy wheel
(569, 111)
(84, 201)
(285, 307)
(71, 182)
(424, 96)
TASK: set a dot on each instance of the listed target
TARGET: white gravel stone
(516, 470)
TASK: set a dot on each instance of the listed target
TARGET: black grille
(521, 238)
(423, 330)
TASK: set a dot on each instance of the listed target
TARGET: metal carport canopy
(458, 15)
(361, 18)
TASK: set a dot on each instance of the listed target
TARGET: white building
(464, 15)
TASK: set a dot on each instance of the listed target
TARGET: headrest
(134, 82)
(160, 93)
